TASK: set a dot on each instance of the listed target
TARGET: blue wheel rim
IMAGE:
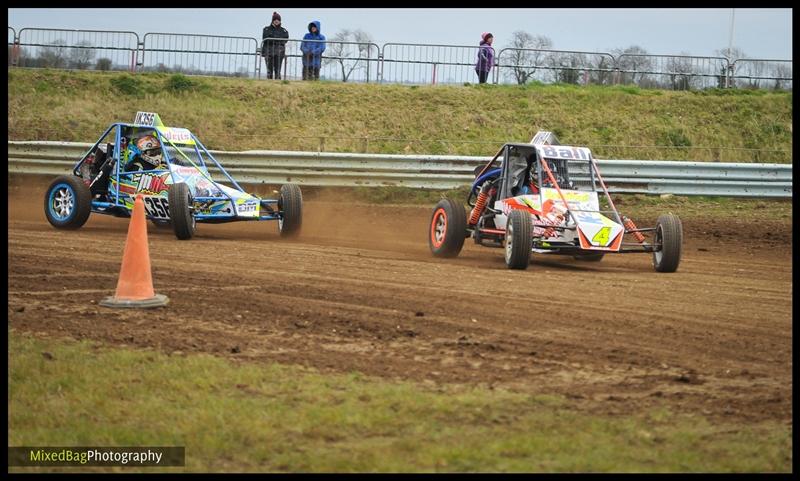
(62, 202)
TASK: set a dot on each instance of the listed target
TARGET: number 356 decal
(156, 207)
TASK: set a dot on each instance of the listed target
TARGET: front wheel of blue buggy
(180, 211)
(67, 202)
(290, 207)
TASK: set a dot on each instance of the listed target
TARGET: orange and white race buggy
(525, 201)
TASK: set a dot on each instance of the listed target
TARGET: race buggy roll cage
(544, 167)
(118, 207)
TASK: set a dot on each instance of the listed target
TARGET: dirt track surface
(359, 291)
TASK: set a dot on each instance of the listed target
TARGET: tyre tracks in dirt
(359, 291)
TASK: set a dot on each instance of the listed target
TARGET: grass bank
(619, 122)
(255, 417)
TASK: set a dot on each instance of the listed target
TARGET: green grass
(619, 122)
(256, 417)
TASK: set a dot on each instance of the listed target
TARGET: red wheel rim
(438, 227)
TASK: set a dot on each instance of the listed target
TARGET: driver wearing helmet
(143, 153)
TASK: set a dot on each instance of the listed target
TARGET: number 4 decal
(602, 236)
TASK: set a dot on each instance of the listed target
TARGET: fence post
(140, 47)
(729, 77)
(257, 66)
(434, 74)
(15, 52)
(379, 74)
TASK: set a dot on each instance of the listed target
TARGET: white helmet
(150, 149)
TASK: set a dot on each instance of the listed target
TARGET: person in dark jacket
(485, 57)
(312, 51)
(274, 51)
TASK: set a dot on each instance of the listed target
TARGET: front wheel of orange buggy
(668, 242)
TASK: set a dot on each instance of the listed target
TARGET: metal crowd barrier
(438, 171)
(405, 63)
(674, 72)
(408, 63)
(200, 54)
(341, 61)
(521, 65)
(762, 73)
(77, 49)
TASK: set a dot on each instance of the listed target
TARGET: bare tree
(526, 55)
(81, 55)
(753, 72)
(633, 64)
(602, 72)
(734, 54)
(103, 64)
(352, 50)
(783, 76)
(681, 72)
(53, 56)
(568, 68)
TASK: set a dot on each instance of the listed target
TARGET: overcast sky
(758, 32)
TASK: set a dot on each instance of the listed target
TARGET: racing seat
(103, 163)
(522, 182)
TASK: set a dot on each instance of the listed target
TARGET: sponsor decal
(565, 152)
(153, 183)
(177, 135)
(576, 199)
(247, 209)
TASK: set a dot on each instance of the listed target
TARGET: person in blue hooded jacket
(312, 51)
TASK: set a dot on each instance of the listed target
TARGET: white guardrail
(436, 171)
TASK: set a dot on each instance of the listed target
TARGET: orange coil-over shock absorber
(632, 227)
(483, 196)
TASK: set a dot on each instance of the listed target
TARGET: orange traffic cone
(135, 284)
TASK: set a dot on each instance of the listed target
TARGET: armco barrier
(438, 171)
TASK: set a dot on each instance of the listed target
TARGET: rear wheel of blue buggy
(180, 211)
(67, 202)
(290, 205)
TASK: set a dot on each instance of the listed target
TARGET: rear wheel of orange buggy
(448, 228)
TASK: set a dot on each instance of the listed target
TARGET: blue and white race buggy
(170, 168)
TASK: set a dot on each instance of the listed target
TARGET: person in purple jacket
(485, 57)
